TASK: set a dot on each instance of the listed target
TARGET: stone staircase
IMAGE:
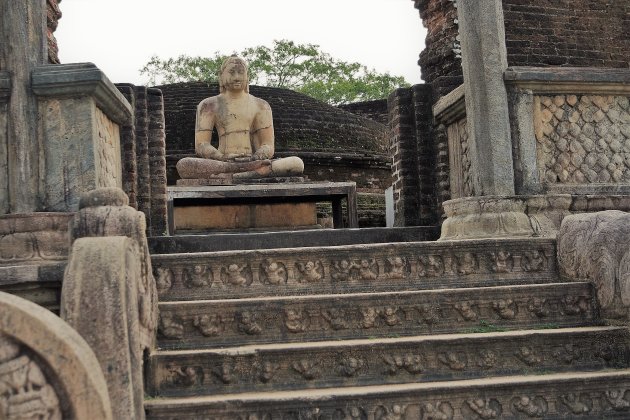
(396, 330)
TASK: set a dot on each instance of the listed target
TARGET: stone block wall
(144, 156)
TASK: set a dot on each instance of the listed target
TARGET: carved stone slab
(207, 324)
(47, 371)
(587, 395)
(378, 267)
(386, 361)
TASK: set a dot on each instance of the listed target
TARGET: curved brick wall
(300, 122)
(375, 110)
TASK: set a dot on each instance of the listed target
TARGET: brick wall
(568, 33)
(143, 156)
(374, 110)
(413, 156)
(438, 62)
(538, 33)
(52, 18)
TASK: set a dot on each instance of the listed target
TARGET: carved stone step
(231, 322)
(584, 395)
(387, 361)
(354, 268)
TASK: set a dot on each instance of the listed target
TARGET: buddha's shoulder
(209, 104)
(260, 103)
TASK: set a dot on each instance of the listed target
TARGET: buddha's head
(233, 73)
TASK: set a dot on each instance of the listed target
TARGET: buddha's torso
(234, 124)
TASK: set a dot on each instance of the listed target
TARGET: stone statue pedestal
(228, 179)
(257, 206)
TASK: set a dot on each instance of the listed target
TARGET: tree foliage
(300, 67)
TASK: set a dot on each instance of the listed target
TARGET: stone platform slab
(262, 194)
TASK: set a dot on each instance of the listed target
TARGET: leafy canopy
(300, 67)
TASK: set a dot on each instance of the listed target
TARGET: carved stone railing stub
(47, 371)
(109, 293)
(595, 247)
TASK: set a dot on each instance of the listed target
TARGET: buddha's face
(235, 76)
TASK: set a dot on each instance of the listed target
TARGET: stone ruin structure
(520, 310)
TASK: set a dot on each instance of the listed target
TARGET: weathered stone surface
(218, 323)
(77, 102)
(485, 217)
(377, 267)
(22, 49)
(5, 91)
(104, 197)
(595, 247)
(582, 139)
(109, 294)
(47, 370)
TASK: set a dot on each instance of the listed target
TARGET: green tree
(300, 67)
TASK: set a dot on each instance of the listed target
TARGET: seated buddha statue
(245, 127)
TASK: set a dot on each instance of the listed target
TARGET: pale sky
(120, 36)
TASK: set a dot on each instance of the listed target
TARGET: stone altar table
(254, 206)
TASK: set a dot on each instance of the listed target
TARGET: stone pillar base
(524, 215)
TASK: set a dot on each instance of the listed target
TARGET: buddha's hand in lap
(261, 154)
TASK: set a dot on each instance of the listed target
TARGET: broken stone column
(109, 294)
